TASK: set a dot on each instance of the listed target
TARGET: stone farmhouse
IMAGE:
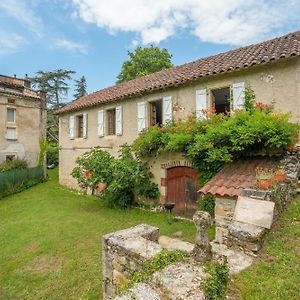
(118, 114)
(22, 120)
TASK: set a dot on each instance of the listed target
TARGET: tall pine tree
(80, 87)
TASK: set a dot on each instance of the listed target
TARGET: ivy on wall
(220, 138)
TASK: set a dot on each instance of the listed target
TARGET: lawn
(50, 241)
(276, 274)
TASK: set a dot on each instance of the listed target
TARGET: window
(10, 157)
(221, 100)
(11, 133)
(155, 113)
(11, 115)
(79, 126)
(111, 121)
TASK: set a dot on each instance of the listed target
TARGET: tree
(80, 87)
(144, 61)
(55, 84)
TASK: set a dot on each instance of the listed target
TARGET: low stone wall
(124, 252)
(250, 237)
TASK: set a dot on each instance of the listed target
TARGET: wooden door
(182, 189)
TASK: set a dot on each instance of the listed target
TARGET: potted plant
(279, 175)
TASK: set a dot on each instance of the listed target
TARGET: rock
(181, 281)
(175, 244)
(119, 279)
(246, 232)
(140, 291)
(236, 260)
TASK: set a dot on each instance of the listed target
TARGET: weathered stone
(175, 244)
(246, 232)
(181, 281)
(119, 279)
(221, 235)
(253, 211)
(202, 248)
(140, 291)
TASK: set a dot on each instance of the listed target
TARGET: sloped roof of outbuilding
(235, 177)
(272, 50)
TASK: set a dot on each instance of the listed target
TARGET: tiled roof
(241, 58)
(235, 177)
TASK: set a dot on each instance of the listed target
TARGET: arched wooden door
(182, 188)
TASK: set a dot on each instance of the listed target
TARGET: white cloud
(71, 46)
(21, 12)
(235, 22)
(10, 43)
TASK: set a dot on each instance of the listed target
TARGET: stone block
(255, 212)
(175, 244)
(246, 232)
(221, 235)
(119, 279)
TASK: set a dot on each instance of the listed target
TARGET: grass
(276, 274)
(50, 241)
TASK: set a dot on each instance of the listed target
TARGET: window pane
(11, 133)
(11, 115)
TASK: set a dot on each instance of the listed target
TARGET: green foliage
(157, 263)
(249, 100)
(54, 83)
(207, 203)
(80, 87)
(19, 178)
(42, 153)
(13, 164)
(144, 61)
(212, 142)
(215, 285)
(124, 177)
(52, 154)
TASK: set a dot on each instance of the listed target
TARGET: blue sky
(92, 37)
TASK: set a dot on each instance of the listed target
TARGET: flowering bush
(220, 138)
(123, 177)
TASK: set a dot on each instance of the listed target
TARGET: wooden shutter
(72, 127)
(101, 122)
(167, 109)
(201, 103)
(85, 123)
(238, 95)
(119, 120)
(141, 116)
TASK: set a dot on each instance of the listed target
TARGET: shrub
(215, 285)
(212, 142)
(52, 154)
(124, 177)
(13, 164)
(207, 203)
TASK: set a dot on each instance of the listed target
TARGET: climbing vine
(220, 138)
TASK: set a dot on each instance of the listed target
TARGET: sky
(92, 37)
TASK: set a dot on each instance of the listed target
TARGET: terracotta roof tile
(279, 48)
(235, 176)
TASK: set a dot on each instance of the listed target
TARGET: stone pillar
(202, 248)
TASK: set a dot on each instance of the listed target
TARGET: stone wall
(124, 252)
(247, 236)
